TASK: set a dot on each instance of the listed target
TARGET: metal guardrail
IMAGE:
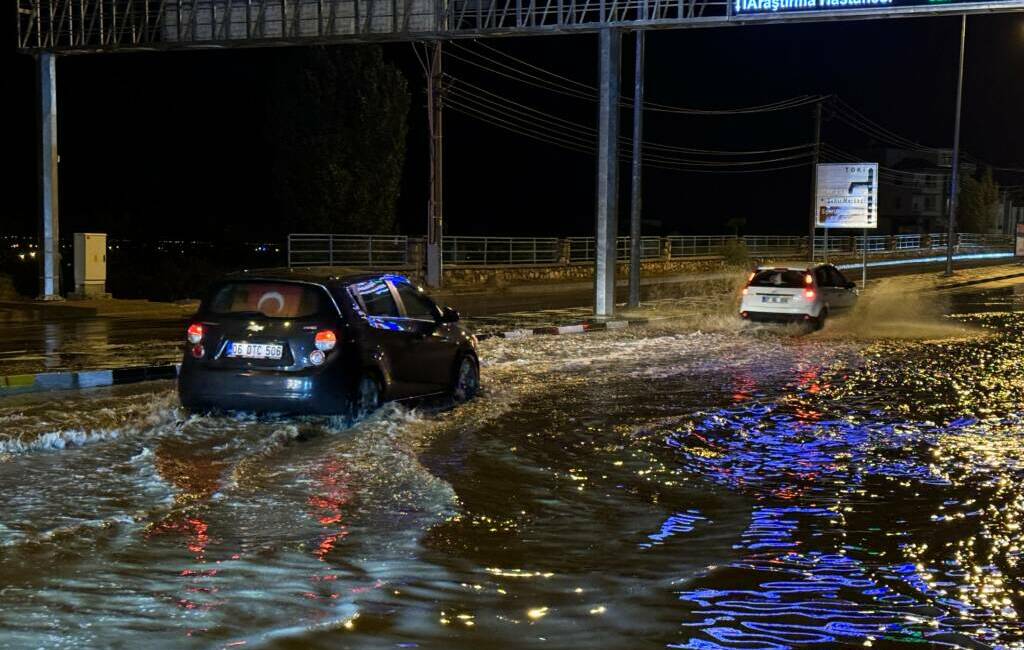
(584, 249)
(500, 250)
(704, 245)
(398, 251)
(973, 240)
(347, 250)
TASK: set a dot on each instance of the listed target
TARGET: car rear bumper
(775, 317)
(206, 389)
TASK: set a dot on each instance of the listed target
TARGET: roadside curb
(971, 283)
(579, 328)
(53, 381)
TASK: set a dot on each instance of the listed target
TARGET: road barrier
(394, 251)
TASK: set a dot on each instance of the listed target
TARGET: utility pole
(635, 251)
(954, 172)
(606, 228)
(435, 211)
(49, 222)
(814, 181)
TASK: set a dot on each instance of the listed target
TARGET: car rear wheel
(367, 397)
(819, 322)
(466, 381)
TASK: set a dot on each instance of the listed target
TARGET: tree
(337, 124)
(978, 204)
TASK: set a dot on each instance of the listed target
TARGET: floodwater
(723, 487)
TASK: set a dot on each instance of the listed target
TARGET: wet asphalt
(712, 486)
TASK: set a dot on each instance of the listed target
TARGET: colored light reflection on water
(871, 525)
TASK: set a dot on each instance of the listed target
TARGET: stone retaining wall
(499, 276)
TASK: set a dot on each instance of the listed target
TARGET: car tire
(367, 397)
(465, 379)
(819, 322)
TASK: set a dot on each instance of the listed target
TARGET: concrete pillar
(49, 231)
(607, 227)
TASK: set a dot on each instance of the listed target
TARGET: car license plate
(775, 299)
(255, 350)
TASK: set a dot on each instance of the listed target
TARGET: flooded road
(727, 487)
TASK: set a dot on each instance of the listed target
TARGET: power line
(579, 90)
(457, 86)
(484, 110)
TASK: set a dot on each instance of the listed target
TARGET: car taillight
(809, 294)
(744, 291)
(195, 333)
(325, 340)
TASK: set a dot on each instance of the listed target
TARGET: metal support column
(606, 231)
(49, 232)
(637, 199)
(435, 222)
(814, 178)
(954, 172)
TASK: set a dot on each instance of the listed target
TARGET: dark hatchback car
(329, 345)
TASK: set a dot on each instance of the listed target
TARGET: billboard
(753, 7)
(847, 195)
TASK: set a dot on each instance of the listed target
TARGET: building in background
(914, 190)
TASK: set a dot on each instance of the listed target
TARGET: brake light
(808, 279)
(809, 294)
(195, 333)
(325, 340)
(745, 290)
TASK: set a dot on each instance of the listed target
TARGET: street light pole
(954, 172)
(635, 250)
(814, 182)
(435, 230)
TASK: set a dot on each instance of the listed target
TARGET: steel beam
(607, 229)
(49, 232)
(173, 24)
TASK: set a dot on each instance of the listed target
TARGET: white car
(793, 293)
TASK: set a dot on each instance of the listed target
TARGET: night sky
(160, 145)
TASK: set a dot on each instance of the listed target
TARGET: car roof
(331, 276)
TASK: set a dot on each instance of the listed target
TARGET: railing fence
(400, 251)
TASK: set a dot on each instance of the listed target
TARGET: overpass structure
(48, 28)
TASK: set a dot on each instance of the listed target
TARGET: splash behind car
(333, 345)
(793, 293)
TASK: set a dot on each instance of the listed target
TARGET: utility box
(90, 265)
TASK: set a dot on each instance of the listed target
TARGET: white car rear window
(783, 278)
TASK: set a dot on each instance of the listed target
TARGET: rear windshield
(778, 278)
(270, 299)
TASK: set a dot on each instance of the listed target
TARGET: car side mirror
(449, 315)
